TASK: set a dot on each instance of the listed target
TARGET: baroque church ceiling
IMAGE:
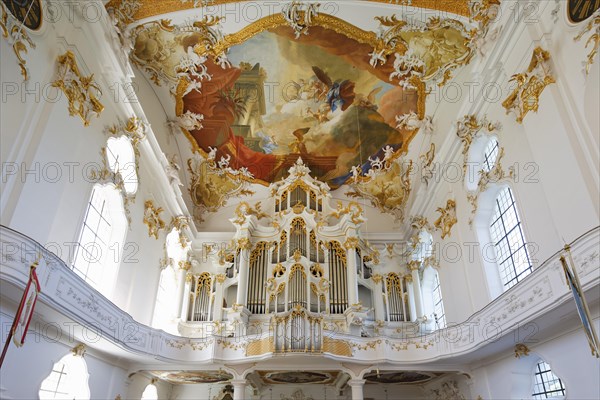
(341, 84)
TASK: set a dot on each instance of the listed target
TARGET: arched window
(98, 251)
(482, 156)
(150, 393)
(546, 384)
(121, 160)
(166, 305)
(433, 304)
(68, 380)
(509, 241)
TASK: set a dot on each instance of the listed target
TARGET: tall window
(97, 255)
(507, 235)
(490, 155)
(67, 380)
(165, 308)
(546, 383)
(438, 305)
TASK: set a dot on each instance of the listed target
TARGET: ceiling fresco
(301, 83)
(283, 98)
(192, 377)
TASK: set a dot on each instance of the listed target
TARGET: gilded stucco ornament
(213, 183)
(353, 209)
(420, 222)
(427, 164)
(79, 350)
(447, 218)
(17, 37)
(181, 223)
(469, 128)
(244, 244)
(530, 85)
(245, 210)
(495, 175)
(593, 27)
(388, 189)
(135, 130)
(412, 121)
(521, 350)
(426, 51)
(299, 16)
(81, 91)
(152, 219)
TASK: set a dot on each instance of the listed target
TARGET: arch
(150, 392)
(488, 205)
(68, 379)
(98, 250)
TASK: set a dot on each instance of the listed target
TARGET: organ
(300, 268)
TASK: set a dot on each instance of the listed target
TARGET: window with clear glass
(546, 384)
(490, 155)
(98, 250)
(506, 232)
(67, 380)
(150, 393)
(121, 160)
(439, 314)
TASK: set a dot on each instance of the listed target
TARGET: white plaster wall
(24, 368)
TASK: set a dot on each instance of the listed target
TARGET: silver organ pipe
(396, 306)
(258, 276)
(201, 298)
(298, 236)
(297, 287)
(338, 292)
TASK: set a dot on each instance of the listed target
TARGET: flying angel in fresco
(340, 94)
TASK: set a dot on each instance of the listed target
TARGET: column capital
(239, 382)
(356, 382)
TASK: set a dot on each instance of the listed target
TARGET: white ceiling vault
(248, 87)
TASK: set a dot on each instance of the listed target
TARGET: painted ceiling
(343, 87)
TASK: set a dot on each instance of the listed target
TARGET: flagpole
(596, 344)
(19, 311)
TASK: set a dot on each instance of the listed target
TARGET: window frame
(538, 372)
(113, 214)
(513, 276)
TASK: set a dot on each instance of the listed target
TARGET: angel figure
(340, 94)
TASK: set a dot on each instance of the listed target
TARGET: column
(411, 297)
(378, 295)
(418, 295)
(186, 290)
(350, 246)
(357, 388)
(184, 267)
(242, 291)
(239, 388)
(218, 303)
